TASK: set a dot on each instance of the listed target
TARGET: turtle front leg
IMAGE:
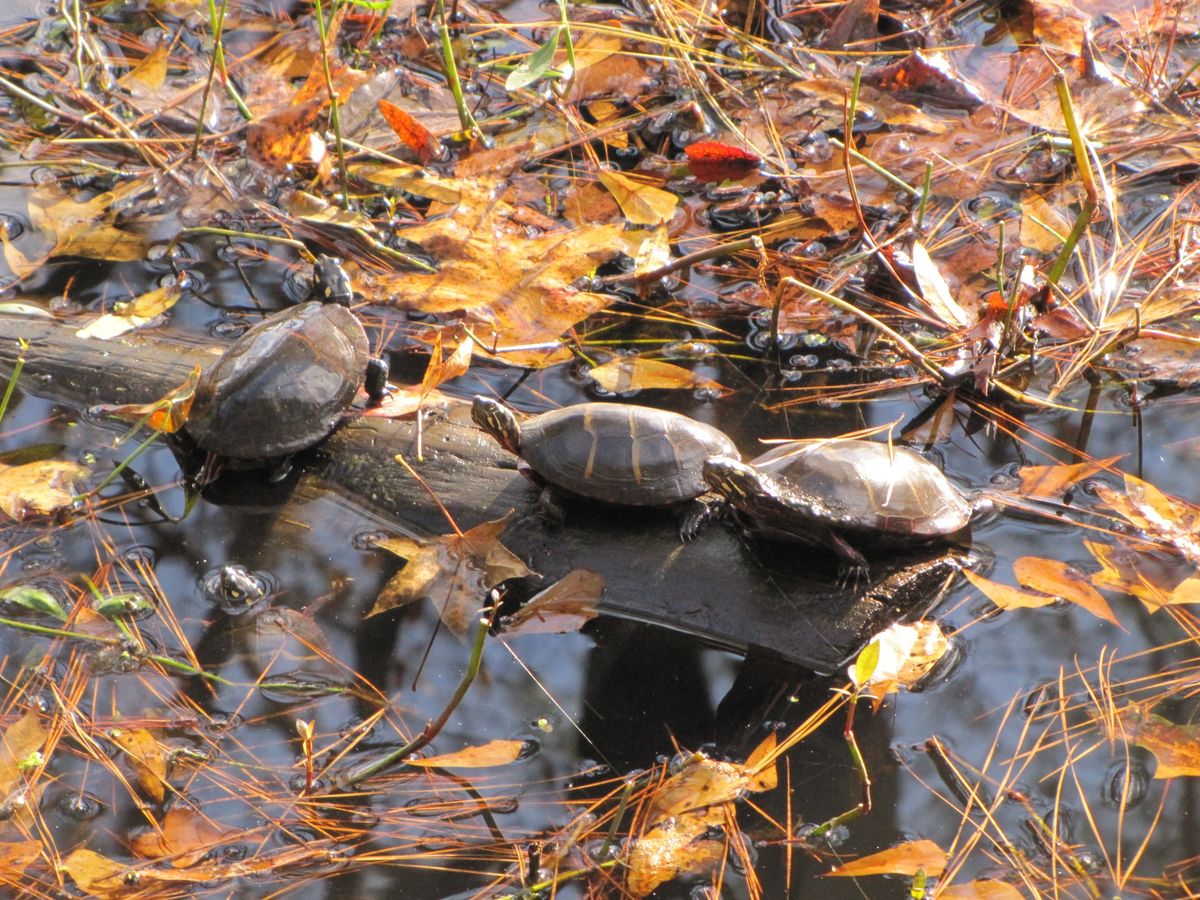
(699, 512)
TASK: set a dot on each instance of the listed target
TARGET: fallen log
(733, 593)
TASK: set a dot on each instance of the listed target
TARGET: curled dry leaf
(493, 753)
(38, 488)
(935, 292)
(632, 373)
(565, 606)
(903, 859)
(454, 571)
(167, 414)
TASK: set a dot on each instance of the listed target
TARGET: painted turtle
(841, 494)
(282, 385)
(629, 455)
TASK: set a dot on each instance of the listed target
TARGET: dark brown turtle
(281, 386)
(616, 453)
(841, 494)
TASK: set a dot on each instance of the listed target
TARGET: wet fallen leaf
(1007, 597)
(980, 890)
(654, 253)
(167, 414)
(764, 773)
(1167, 520)
(907, 652)
(454, 572)
(633, 373)
(415, 136)
(702, 782)
(715, 161)
(150, 73)
(903, 859)
(1043, 228)
(438, 371)
(1059, 579)
(1051, 482)
(146, 757)
(38, 488)
(642, 202)
(17, 856)
(564, 607)
(142, 310)
(18, 263)
(1134, 572)
(21, 741)
(1059, 24)
(33, 599)
(678, 846)
(85, 227)
(934, 290)
(493, 753)
(287, 137)
(185, 836)
(1176, 747)
(96, 874)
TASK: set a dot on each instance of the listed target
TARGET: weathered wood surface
(742, 596)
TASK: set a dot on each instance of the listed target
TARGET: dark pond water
(615, 699)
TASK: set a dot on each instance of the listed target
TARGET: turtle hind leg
(853, 568)
(698, 513)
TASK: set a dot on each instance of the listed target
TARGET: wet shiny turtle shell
(629, 455)
(281, 386)
(861, 486)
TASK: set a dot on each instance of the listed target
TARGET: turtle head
(734, 480)
(497, 420)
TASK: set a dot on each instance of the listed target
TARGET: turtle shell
(282, 385)
(630, 455)
(864, 486)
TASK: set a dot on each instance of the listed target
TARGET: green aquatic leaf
(535, 64)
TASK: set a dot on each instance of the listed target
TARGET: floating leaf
(682, 845)
(934, 290)
(1051, 482)
(20, 742)
(140, 311)
(493, 753)
(905, 653)
(185, 836)
(980, 890)
(415, 136)
(38, 488)
(714, 161)
(633, 373)
(146, 757)
(642, 202)
(1176, 747)
(96, 874)
(903, 859)
(454, 571)
(1008, 597)
(534, 66)
(1059, 579)
(654, 253)
(565, 606)
(150, 73)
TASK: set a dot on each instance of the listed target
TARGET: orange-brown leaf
(903, 859)
(675, 847)
(493, 753)
(642, 202)
(564, 607)
(1005, 596)
(1059, 579)
(38, 488)
(632, 373)
(95, 874)
(185, 836)
(1176, 747)
(1051, 481)
(980, 890)
(415, 136)
(146, 758)
(20, 741)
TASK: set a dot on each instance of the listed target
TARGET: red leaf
(714, 161)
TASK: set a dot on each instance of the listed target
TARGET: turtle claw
(700, 512)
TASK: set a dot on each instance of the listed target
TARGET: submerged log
(767, 598)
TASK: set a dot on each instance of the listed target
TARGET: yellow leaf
(38, 488)
(95, 874)
(980, 890)
(654, 253)
(20, 741)
(1052, 481)
(1042, 227)
(642, 203)
(185, 836)
(935, 291)
(137, 312)
(493, 753)
(678, 846)
(632, 373)
(1176, 747)
(903, 859)
(146, 757)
